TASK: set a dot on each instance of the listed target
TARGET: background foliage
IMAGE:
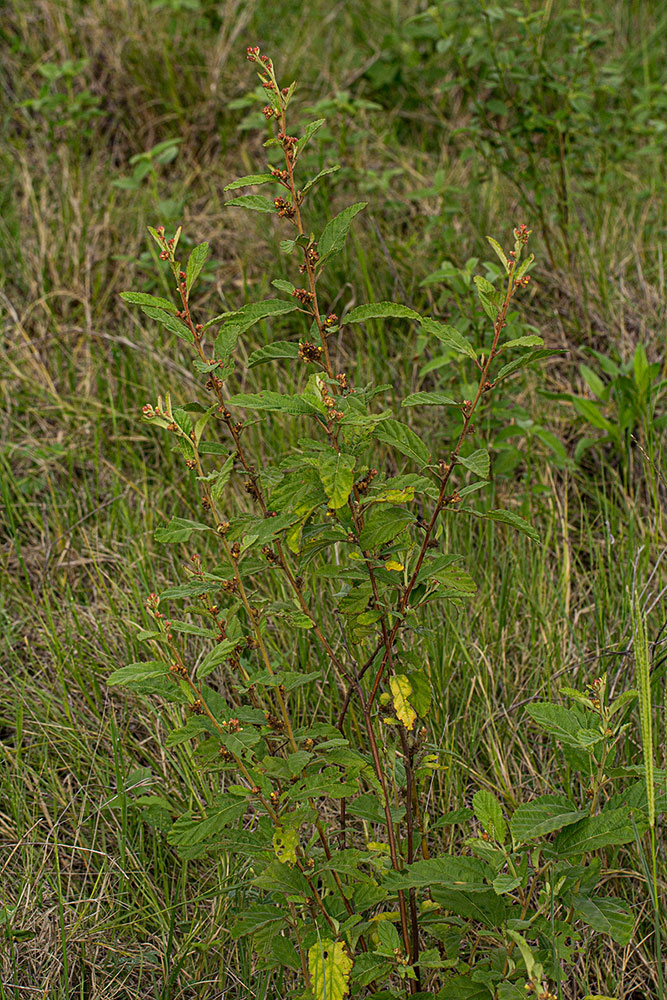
(450, 121)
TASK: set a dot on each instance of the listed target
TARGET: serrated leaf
(179, 529)
(380, 310)
(503, 884)
(335, 232)
(524, 360)
(330, 967)
(429, 399)
(277, 351)
(282, 285)
(564, 724)
(515, 520)
(490, 814)
(196, 261)
(403, 439)
(382, 524)
(239, 322)
(323, 173)
(464, 988)
(285, 840)
(337, 475)
(187, 833)
(401, 689)
(530, 340)
(478, 462)
(249, 180)
(285, 952)
(143, 299)
(500, 252)
(273, 401)
(487, 294)
(308, 133)
(609, 828)
(138, 672)
(253, 918)
(527, 264)
(253, 202)
(169, 322)
(606, 915)
(458, 873)
(221, 479)
(542, 816)
(215, 657)
(450, 337)
(421, 692)
(454, 581)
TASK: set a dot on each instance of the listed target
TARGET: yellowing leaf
(392, 564)
(284, 844)
(401, 689)
(329, 966)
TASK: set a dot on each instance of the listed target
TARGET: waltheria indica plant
(321, 585)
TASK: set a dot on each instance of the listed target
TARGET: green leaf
(486, 294)
(379, 310)
(503, 884)
(308, 133)
(282, 878)
(277, 351)
(254, 918)
(499, 250)
(449, 336)
(531, 340)
(221, 478)
(254, 202)
(335, 232)
(330, 967)
(169, 322)
(515, 520)
(273, 401)
(323, 173)
(490, 814)
(606, 915)
(285, 952)
(453, 581)
(239, 322)
(478, 462)
(525, 359)
(429, 399)
(485, 907)
(382, 524)
(179, 529)
(543, 815)
(403, 439)
(608, 829)
(143, 299)
(459, 873)
(564, 724)
(196, 261)
(216, 656)
(337, 476)
(421, 692)
(464, 988)
(187, 833)
(138, 672)
(249, 180)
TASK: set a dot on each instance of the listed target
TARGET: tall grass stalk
(643, 681)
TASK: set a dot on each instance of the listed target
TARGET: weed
(323, 564)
